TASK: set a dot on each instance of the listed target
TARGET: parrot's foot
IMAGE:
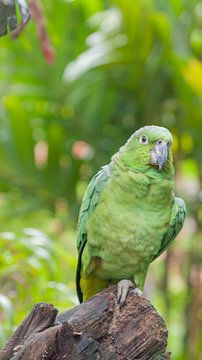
(123, 288)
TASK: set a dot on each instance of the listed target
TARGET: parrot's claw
(137, 291)
(123, 288)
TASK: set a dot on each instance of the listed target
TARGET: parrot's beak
(159, 154)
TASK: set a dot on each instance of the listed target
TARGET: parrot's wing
(176, 222)
(89, 204)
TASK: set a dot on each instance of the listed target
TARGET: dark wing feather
(177, 220)
(89, 203)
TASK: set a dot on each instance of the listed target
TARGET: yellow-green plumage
(129, 214)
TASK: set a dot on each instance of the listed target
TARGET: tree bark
(97, 329)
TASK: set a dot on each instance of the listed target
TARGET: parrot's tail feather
(78, 273)
(91, 285)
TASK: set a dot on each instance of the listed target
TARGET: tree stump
(96, 329)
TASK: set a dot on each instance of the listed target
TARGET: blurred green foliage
(119, 65)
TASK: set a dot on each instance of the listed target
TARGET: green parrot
(129, 215)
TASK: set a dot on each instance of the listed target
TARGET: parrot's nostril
(159, 142)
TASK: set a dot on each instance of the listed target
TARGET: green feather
(89, 203)
(176, 223)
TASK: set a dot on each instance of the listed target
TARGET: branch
(97, 329)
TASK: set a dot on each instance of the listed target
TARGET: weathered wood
(97, 329)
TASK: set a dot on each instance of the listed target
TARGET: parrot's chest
(126, 231)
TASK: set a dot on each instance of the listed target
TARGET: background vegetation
(119, 65)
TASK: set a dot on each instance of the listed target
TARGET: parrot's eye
(144, 139)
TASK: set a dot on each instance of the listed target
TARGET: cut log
(96, 329)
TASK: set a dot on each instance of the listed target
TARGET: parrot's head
(149, 148)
